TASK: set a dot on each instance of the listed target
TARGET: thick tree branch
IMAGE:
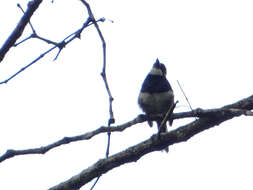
(239, 108)
(210, 119)
(32, 7)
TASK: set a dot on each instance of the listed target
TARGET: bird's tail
(162, 129)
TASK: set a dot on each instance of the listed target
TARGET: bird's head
(158, 68)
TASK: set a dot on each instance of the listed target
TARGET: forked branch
(17, 32)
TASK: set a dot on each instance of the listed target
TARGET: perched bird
(156, 96)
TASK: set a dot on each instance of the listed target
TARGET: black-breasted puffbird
(156, 96)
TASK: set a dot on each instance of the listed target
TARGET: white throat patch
(155, 71)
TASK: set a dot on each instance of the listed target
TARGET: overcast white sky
(206, 45)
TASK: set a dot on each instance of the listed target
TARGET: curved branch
(32, 7)
(103, 74)
(158, 142)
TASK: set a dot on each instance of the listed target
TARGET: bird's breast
(156, 103)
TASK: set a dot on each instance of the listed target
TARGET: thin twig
(19, 6)
(185, 96)
(103, 74)
(22, 41)
(32, 6)
(167, 116)
(76, 34)
(45, 40)
(94, 184)
(28, 65)
(17, 32)
(59, 45)
(34, 33)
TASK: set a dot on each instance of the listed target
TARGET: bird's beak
(157, 63)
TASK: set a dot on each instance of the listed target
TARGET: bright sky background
(206, 45)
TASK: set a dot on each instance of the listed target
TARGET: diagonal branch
(66, 140)
(32, 7)
(239, 108)
(157, 142)
(28, 65)
(19, 6)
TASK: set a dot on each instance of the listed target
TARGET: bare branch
(218, 115)
(32, 7)
(103, 74)
(28, 65)
(66, 140)
(24, 40)
(76, 34)
(167, 116)
(185, 95)
(59, 45)
(157, 142)
(92, 187)
(19, 6)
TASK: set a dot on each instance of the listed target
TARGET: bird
(156, 95)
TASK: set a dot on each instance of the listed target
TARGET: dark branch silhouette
(66, 140)
(31, 8)
(217, 116)
(205, 118)
(209, 118)
(59, 45)
(33, 5)
(103, 74)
